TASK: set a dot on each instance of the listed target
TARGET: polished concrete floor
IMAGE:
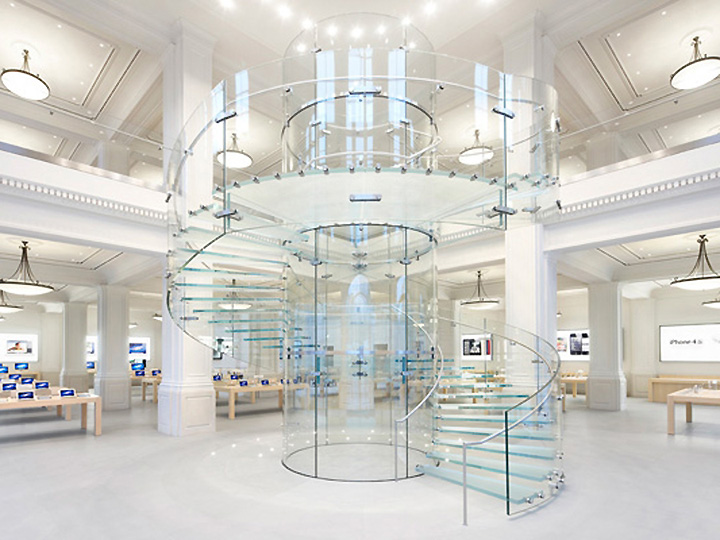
(626, 478)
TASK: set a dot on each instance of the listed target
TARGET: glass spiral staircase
(308, 198)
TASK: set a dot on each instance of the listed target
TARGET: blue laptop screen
(90, 365)
(42, 384)
(26, 395)
(3, 369)
(15, 376)
(138, 366)
(9, 386)
(69, 392)
(21, 365)
(26, 380)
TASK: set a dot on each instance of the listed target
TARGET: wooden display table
(688, 397)
(154, 382)
(235, 389)
(59, 402)
(660, 387)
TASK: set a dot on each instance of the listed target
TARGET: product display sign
(573, 345)
(476, 347)
(19, 347)
(690, 343)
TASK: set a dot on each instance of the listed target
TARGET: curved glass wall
(308, 197)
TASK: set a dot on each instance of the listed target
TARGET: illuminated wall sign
(573, 345)
(690, 343)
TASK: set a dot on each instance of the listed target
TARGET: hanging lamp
(157, 317)
(698, 71)
(234, 303)
(702, 277)
(6, 306)
(23, 83)
(477, 153)
(233, 157)
(23, 281)
(714, 303)
(480, 299)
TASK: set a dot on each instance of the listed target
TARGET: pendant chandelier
(233, 302)
(477, 153)
(6, 306)
(702, 277)
(233, 157)
(23, 83)
(698, 71)
(480, 299)
(23, 281)
(714, 303)
(157, 317)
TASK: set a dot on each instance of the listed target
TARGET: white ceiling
(104, 61)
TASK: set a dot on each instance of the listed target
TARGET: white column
(606, 382)
(74, 372)
(113, 156)
(530, 283)
(186, 398)
(643, 345)
(51, 339)
(527, 51)
(112, 380)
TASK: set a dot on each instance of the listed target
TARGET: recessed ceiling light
(301, 47)
(227, 4)
(406, 21)
(284, 11)
(307, 24)
(102, 45)
(59, 25)
(664, 13)
(617, 35)
(430, 8)
(356, 32)
(381, 29)
(332, 30)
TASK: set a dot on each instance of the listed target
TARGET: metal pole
(465, 520)
(395, 455)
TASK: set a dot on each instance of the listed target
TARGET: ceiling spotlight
(233, 157)
(480, 299)
(23, 281)
(698, 71)
(477, 153)
(6, 306)
(702, 277)
(23, 83)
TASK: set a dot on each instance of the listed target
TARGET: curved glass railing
(497, 427)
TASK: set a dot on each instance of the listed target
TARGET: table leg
(574, 389)
(59, 410)
(688, 412)
(155, 391)
(231, 404)
(280, 398)
(144, 386)
(68, 412)
(252, 397)
(83, 415)
(671, 416)
(98, 417)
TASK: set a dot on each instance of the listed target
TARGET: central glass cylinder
(361, 303)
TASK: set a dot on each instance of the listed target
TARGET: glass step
(458, 406)
(481, 395)
(519, 494)
(474, 385)
(256, 330)
(228, 287)
(521, 470)
(497, 419)
(454, 374)
(515, 433)
(218, 272)
(519, 450)
(208, 254)
(229, 299)
(246, 321)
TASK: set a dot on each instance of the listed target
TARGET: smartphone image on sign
(575, 344)
(585, 343)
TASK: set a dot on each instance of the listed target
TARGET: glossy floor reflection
(625, 479)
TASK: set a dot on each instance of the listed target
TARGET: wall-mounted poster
(573, 345)
(19, 347)
(690, 343)
(476, 347)
(138, 349)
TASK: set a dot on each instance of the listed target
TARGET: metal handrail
(427, 396)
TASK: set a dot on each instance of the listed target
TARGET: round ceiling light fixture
(714, 303)
(480, 299)
(703, 276)
(699, 71)
(23, 281)
(23, 83)
(6, 306)
(477, 153)
(157, 317)
(234, 158)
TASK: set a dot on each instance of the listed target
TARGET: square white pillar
(606, 383)
(74, 372)
(112, 380)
